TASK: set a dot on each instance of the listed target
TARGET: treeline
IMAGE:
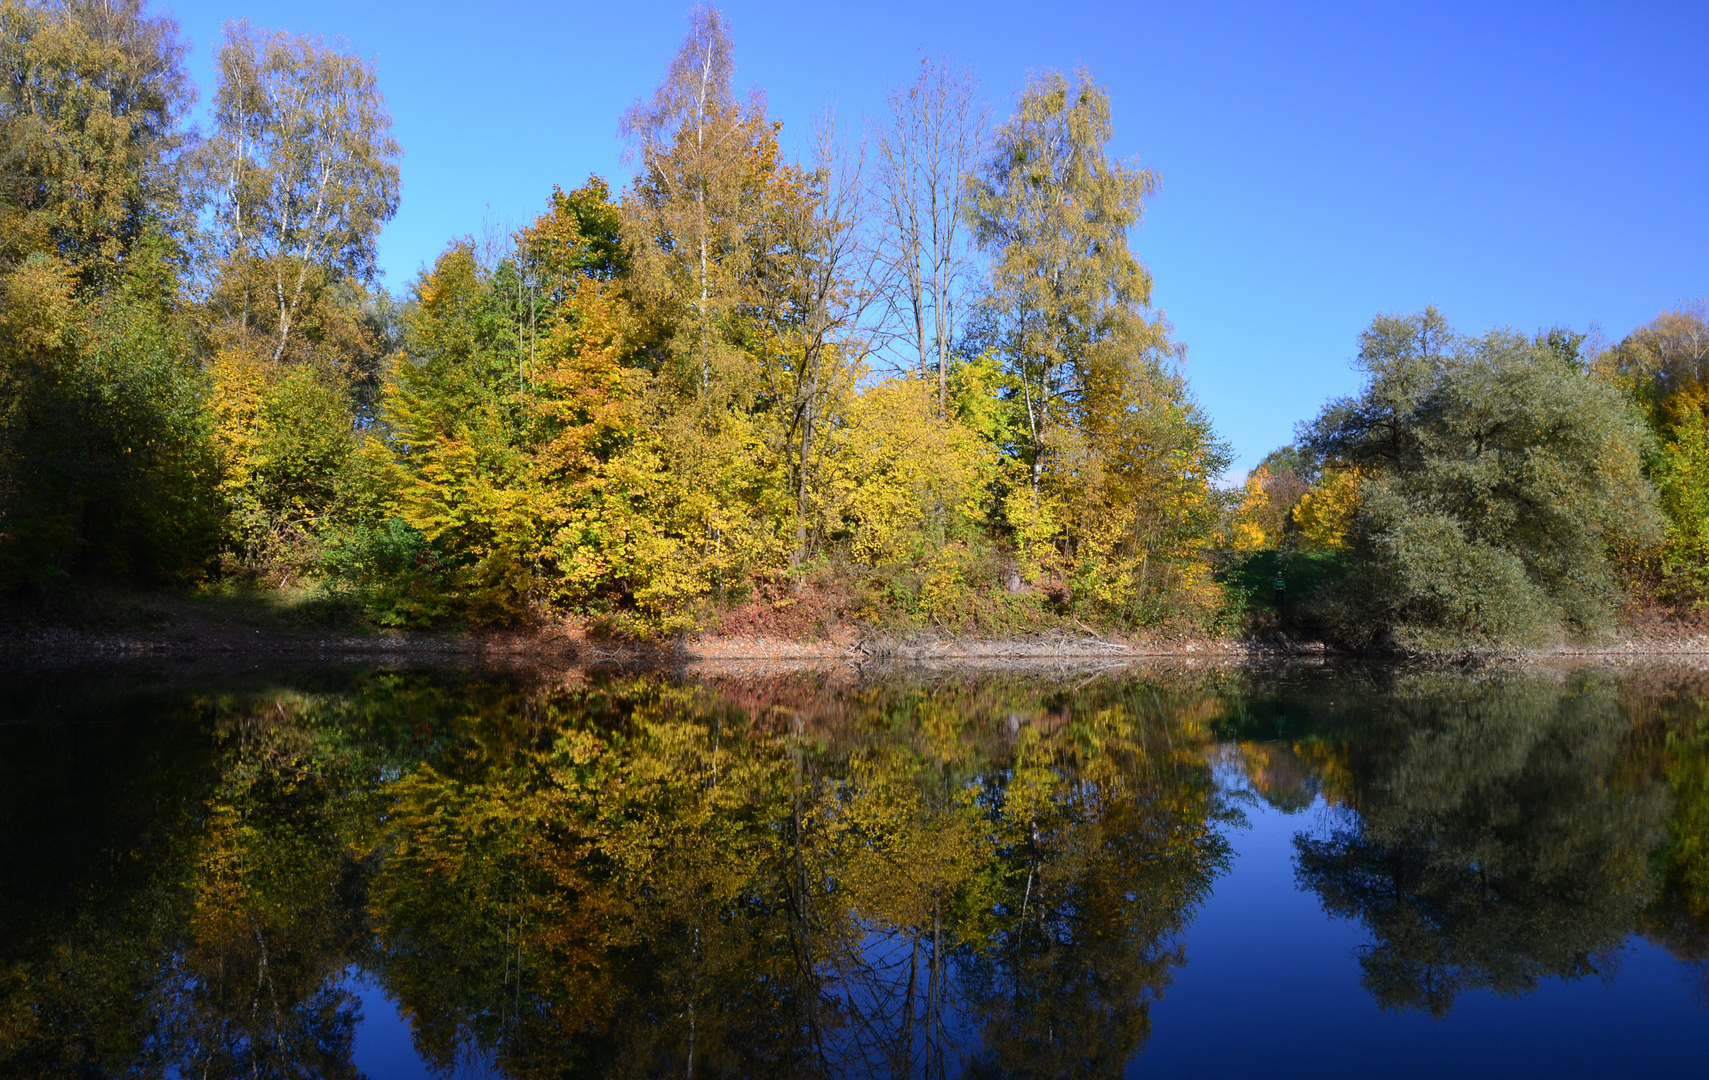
(1493, 490)
(911, 376)
(747, 386)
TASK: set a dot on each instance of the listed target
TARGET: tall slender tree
(929, 144)
(690, 216)
(303, 171)
(1067, 298)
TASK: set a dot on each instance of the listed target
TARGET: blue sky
(1515, 164)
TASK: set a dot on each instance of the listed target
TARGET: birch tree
(689, 218)
(1664, 364)
(302, 169)
(1066, 296)
(1118, 504)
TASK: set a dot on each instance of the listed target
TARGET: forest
(910, 378)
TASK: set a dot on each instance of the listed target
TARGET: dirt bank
(187, 627)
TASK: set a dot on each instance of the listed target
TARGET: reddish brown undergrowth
(786, 610)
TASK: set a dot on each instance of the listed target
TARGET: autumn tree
(813, 286)
(91, 110)
(1119, 459)
(302, 170)
(1664, 367)
(1272, 491)
(1067, 299)
(1665, 363)
(456, 434)
(923, 153)
(744, 281)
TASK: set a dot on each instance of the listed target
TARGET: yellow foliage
(481, 518)
(1249, 531)
(38, 312)
(239, 379)
(945, 584)
(1036, 525)
(905, 481)
(283, 440)
(1135, 498)
(1325, 513)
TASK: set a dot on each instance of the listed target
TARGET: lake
(1313, 870)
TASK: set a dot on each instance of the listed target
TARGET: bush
(1496, 475)
(392, 572)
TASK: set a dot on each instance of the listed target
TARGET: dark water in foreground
(1311, 871)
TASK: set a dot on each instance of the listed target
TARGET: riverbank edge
(569, 643)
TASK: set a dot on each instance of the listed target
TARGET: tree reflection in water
(796, 875)
(776, 880)
(1493, 831)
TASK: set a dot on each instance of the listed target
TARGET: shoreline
(567, 644)
(253, 628)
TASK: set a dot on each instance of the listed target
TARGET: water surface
(1301, 871)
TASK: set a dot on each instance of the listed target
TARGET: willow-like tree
(1500, 838)
(1494, 478)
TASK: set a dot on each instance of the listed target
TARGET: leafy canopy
(1497, 476)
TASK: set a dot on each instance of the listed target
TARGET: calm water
(1309, 871)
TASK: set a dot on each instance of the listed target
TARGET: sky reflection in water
(1322, 872)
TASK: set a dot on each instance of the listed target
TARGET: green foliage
(301, 172)
(652, 410)
(105, 464)
(392, 571)
(1290, 583)
(285, 465)
(1681, 474)
(1496, 479)
(454, 420)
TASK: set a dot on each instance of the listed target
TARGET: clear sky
(1515, 164)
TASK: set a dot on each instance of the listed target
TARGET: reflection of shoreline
(585, 859)
(216, 645)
